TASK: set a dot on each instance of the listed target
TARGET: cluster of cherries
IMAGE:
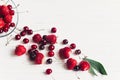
(39, 43)
(6, 16)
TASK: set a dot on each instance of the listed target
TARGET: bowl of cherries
(8, 18)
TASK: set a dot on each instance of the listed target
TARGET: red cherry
(4, 10)
(5, 29)
(64, 53)
(12, 24)
(20, 50)
(51, 39)
(37, 38)
(17, 37)
(34, 46)
(9, 7)
(25, 28)
(26, 40)
(2, 23)
(50, 53)
(8, 18)
(12, 12)
(53, 30)
(73, 46)
(48, 71)
(39, 58)
(51, 47)
(22, 33)
(29, 32)
(71, 63)
(84, 65)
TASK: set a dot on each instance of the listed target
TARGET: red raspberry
(84, 65)
(39, 58)
(8, 18)
(64, 53)
(71, 63)
(51, 39)
(2, 23)
(20, 50)
(4, 10)
(37, 38)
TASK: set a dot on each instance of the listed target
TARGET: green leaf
(92, 71)
(97, 66)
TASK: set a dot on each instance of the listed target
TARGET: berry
(84, 65)
(25, 28)
(26, 40)
(29, 32)
(17, 37)
(78, 51)
(22, 33)
(41, 47)
(50, 53)
(4, 10)
(8, 18)
(2, 23)
(48, 71)
(72, 46)
(9, 7)
(76, 68)
(12, 12)
(32, 56)
(43, 42)
(71, 63)
(53, 30)
(5, 29)
(39, 58)
(37, 38)
(51, 39)
(65, 41)
(44, 37)
(49, 61)
(51, 47)
(12, 24)
(34, 46)
(64, 53)
(1, 31)
(20, 50)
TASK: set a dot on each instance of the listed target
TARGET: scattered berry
(50, 53)
(41, 47)
(49, 61)
(25, 28)
(39, 58)
(84, 65)
(71, 63)
(76, 68)
(51, 47)
(53, 30)
(37, 38)
(78, 51)
(72, 46)
(20, 50)
(17, 37)
(12, 24)
(65, 41)
(48, 71)
(34, 46)
(32, 56)
(29, 32)
(51, 39)
(26, 40)
(22, 33)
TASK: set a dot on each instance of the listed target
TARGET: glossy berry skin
(78, 51)
(12, 24)
(4, 10)
(73, 46)
(76, 68)
(25, 28)
(17, 37)
(29, 32)
(84, 65)
(32, 56)
(53, 30)
(8, 18)
(64, 53)
(48, 71)
(39, 58)
(1, 31)
(71, 63)
(65, 41)
(22, 33)
(49, 61)
(33, 46)
(9, 7)
(51, 39)
(43, 42)
(11, 12)
(2, 23)
(5, 29)
(37, 38)
(20, 50)
(51, 53)
(51, 47)
(26, 40)
(41, 47)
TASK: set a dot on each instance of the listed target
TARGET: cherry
(41, 47)
(50, 53)
(64, 53)
(22, 33)
(71, 63)
(26, 40)
(43, 42)
(84, 65)
(12, 12)
(29, 32)
(51, 39)
(25, 28)
(9, 7)
(49, 61)
(37, 38)
(48, 71)
(5, 29)
(78, 51)
(65, 41)
(53, 30)
(20, 50)
(73, 46)
(51, 47)
(76, 68)
(34, 46)
(17, 37)
(12, 24)
(39, 58)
